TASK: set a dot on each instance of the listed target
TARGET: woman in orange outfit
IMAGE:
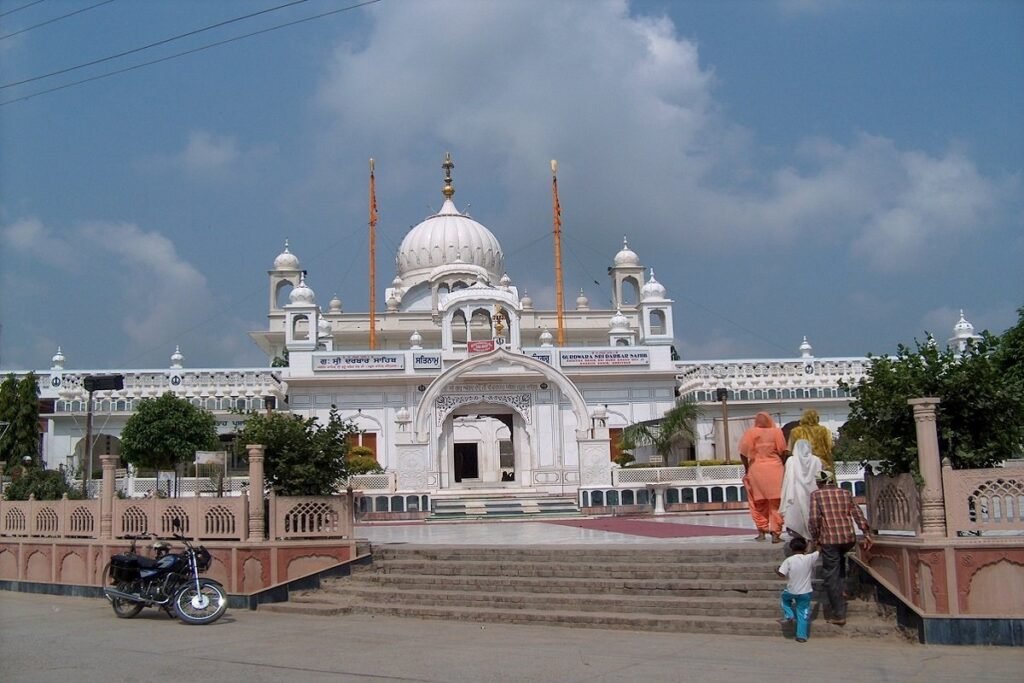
(762, 449)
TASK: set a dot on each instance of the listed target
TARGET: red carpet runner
(639, 527)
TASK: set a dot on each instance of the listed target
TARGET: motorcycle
(169, 581)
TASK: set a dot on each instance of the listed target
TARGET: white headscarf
(800, 479)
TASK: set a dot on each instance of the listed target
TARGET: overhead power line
(55, 19)
(18, 9)
(146, 47)
(187, 52)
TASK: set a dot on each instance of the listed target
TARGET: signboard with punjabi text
(604, 358)
(335, 362)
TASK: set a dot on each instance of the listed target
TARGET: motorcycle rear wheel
(125, 609)
(204, 606)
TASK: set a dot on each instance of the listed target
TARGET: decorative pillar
(933, 507)
(107, 496)
(256, 486)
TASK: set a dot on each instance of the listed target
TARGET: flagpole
(373, 260)
(556, 209)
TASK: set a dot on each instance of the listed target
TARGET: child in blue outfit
(798, 569)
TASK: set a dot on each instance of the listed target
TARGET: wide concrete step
(512, 505)
(332, 606)
(753, 554)
(763, 606)
(578, 569)
(579, 586)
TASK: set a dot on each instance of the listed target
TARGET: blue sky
(848, 171)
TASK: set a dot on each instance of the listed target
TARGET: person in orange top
(762, 449)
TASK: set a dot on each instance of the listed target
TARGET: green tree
(980, 416)
(43, 484)
(166, 431)
(19, 408)
(301, 456)
(1010, 356)
(675, 428)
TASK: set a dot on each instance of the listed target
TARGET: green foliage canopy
(166, 431)
(43, 484)
(980, 417)
(677, 425)
(19, 407)
(301, 456)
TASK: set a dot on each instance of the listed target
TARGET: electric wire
(144, 47)
(56, 19)
(188, 52)
(18, 9)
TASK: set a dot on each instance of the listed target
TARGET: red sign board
(480, 346)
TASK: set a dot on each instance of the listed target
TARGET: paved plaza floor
(692, 528)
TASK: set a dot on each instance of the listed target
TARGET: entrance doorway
(482, 449)
(467, 464)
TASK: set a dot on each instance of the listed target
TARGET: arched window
(300, 327)
(630, 292)
(657, 322)
(622, 342)
(459, 327)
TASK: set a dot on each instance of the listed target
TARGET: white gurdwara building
(465, 387)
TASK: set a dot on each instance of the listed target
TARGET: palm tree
(677, 425)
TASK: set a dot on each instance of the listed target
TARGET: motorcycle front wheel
(203, 606)
(125, 609)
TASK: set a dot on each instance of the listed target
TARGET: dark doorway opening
(466, 463)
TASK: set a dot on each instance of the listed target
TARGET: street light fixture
(95, 383)
(722, 394)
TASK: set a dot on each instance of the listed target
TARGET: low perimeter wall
(242, 568)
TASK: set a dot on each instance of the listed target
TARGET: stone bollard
(255, 493)
(933, 504)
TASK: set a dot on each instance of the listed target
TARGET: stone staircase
(476, 505)
(726, 590)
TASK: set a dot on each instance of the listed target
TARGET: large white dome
(446, 238)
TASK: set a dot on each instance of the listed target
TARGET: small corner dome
(963, 329)
(324, 329)
(334, 306)
(582, 302)
(526, 302)
(626, 257)
(58, 359)
(806, 350)
(286, 260)
(177, 358)
(652, 289)
(302, 294)
(618, 323)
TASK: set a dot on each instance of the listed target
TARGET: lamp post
(722, 394)
(95, 383)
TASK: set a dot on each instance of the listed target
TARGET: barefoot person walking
(762, 448)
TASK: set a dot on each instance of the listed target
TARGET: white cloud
(643, 145)
(207, 152)
(162, 292)
(30, 236)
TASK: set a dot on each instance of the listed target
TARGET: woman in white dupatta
(800, 479)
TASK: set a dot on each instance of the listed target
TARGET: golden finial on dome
(448, 165)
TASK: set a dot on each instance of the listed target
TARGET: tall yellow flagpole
(556, 209)
(373, 260)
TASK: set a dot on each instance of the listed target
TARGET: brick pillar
(107, 487)
(933, 506)
(255, 493)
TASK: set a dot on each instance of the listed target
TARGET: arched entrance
(477, 424)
